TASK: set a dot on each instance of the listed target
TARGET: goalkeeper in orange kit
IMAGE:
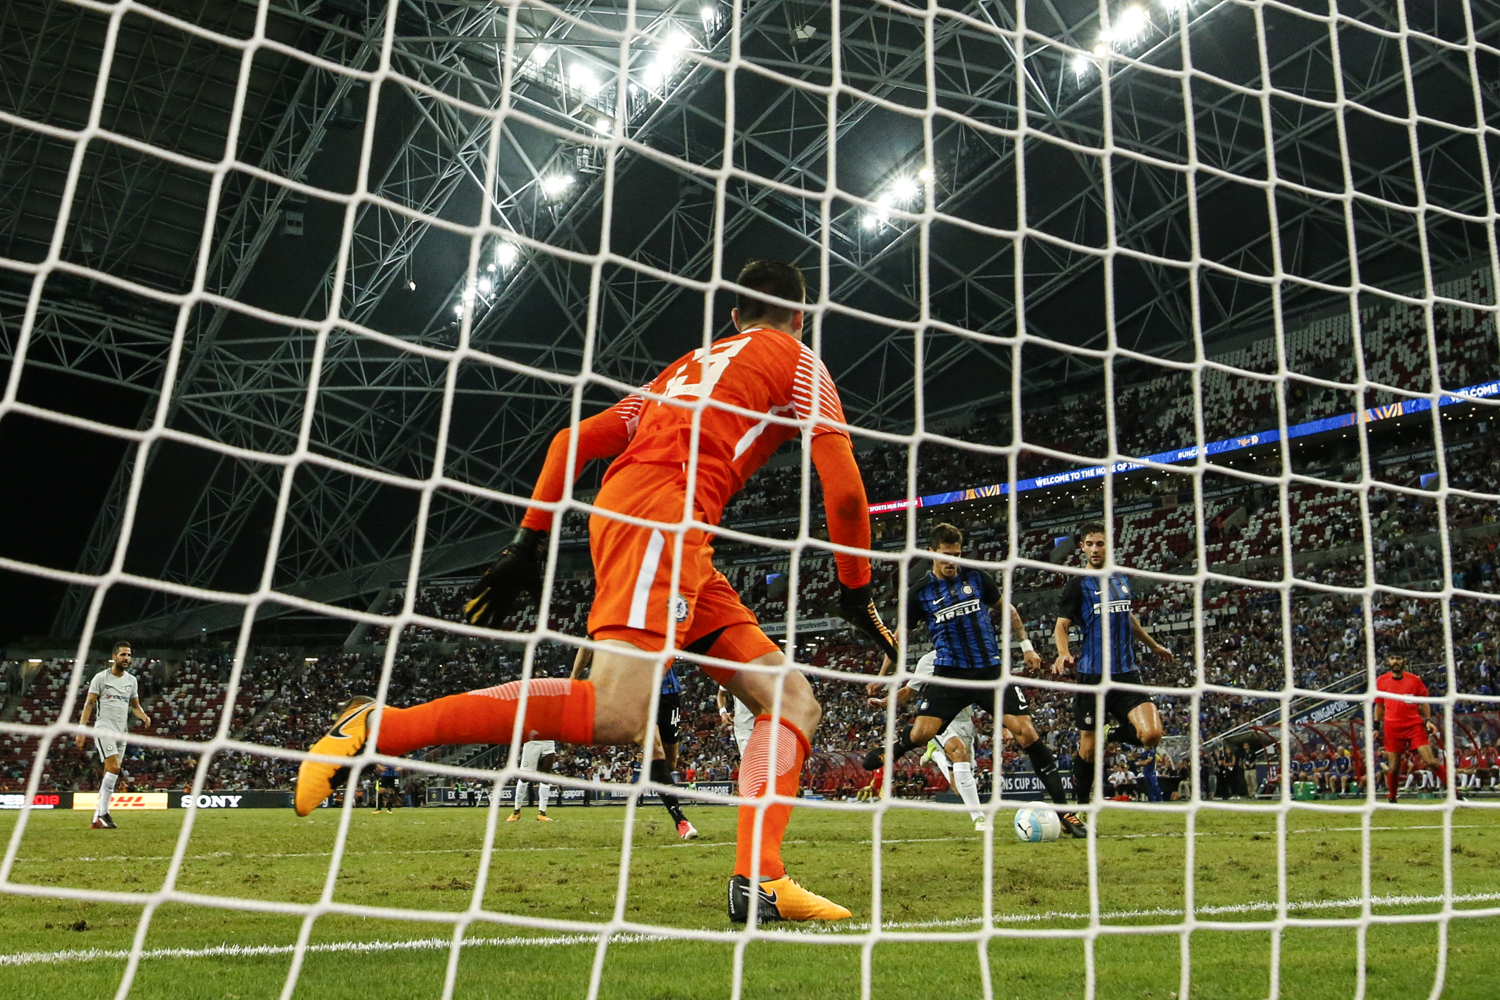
(767, 375)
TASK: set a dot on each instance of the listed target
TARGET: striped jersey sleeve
(629, 410)
(813, 387)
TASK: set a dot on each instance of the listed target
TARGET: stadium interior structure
(1221, 303)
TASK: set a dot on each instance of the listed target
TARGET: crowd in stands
(285, 699)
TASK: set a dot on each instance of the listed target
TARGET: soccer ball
(1036, 825)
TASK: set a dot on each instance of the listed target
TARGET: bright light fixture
(541, 54)
(458, 310)
(926, 175)
(411, 286)
(871, 220)
(709, 14)
(490, 267)
(507, 254)
(554, 185)
(603, 126)
(582, 78)
(1081, 64)
(486, 286)
(1130, 25)
(905, 189)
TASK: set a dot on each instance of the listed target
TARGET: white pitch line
(553, 940)
(698, 844)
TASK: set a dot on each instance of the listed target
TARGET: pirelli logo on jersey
(956, 611)
(1115, 607)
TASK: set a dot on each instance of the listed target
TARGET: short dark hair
(1088, 528)
(946, 534)
(773, 277)
(119, 645)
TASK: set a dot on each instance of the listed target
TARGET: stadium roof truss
(1014, 106)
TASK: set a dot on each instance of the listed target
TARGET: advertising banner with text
(121, 801)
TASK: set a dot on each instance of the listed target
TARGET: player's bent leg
(759, 871)
(1147, 722)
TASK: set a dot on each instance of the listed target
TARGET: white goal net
(1217, 277)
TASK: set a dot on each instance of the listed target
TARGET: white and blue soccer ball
(1036, 825)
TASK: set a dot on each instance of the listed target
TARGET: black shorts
(944, 702)
(669, 718)
(1118, 702)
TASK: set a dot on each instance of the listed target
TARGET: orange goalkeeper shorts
(633, 598)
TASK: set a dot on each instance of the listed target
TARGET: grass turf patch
(534, 911)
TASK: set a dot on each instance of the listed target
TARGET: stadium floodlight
(709, 14)
(411, 286)
(673, 46)
(603, 126)
(871, 220)
(583, 79)
(507, 254)
(905, 189)
(486, 286)
(458, 310)
(926, 175)
(1128, 27)
(541, 54)
(556, 185)
(1081, 65)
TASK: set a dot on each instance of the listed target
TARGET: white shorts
(962, 726)
(110, 746)
(744, 724)
(533, 751)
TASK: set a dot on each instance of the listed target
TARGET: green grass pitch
(932, 878)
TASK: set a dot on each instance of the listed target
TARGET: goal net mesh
(1298, 481)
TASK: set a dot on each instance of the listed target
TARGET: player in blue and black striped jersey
(1101, 608)
(954, 603)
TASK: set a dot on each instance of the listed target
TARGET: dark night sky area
(59, 477)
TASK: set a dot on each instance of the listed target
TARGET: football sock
(662, 776)
(759, 773)
(521, 788)
(1083, 779)
(1045, 766)
(1440, 772)
(543, 792)
(1391, 779)
(557, 709)
(941, 760)
(968, 789)
(106, 789)
(876, 758)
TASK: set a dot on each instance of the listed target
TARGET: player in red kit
(1404, 724)
(708, 422)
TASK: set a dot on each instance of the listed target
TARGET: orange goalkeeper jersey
(762, 371)
(764, 374)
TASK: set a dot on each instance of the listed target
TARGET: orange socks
(758, 773)
(556, 709)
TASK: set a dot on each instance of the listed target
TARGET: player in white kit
(742, 718)
(114, 693)
(536, 755)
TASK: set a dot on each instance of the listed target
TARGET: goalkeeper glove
(857, 607)
(517, 571)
